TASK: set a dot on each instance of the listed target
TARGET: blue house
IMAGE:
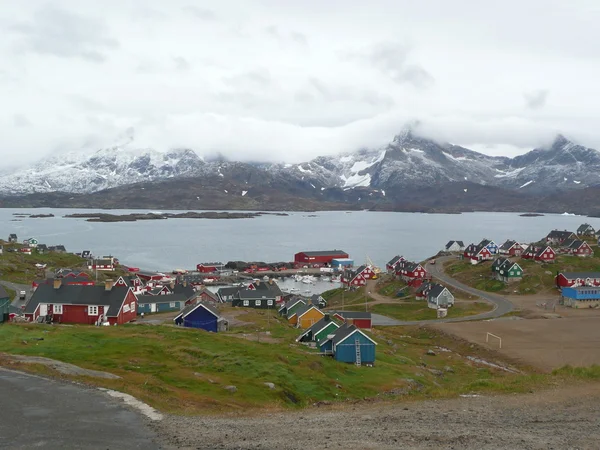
(161, 303)
(490, 245)
(350, 345)
(203, 316)
(581, 296)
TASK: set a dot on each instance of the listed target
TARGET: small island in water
(104, 217)
(531, 215)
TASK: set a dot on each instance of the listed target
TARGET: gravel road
(559, 418)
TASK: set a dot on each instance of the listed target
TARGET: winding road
(502, 306)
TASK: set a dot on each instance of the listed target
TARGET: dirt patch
(64, 368)
(543, 343)
(526, 421)
(257, 337)
(233, 317)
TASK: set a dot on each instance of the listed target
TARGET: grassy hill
(186, 371)
(538, 278)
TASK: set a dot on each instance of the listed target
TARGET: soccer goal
(489, 335)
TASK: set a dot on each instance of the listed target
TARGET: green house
(4, 304)
(289, 308)
(507, 270)
(319, 331)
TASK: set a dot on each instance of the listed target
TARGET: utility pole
(343, 291)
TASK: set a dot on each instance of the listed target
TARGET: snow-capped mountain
(408, 162)
(105, 168)
(562, 166)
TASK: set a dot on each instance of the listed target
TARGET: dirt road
(561, 418)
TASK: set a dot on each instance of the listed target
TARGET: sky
(272, 80)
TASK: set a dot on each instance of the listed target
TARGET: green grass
(337, 297)
(185, 371)
(418, 310)
(391, 288)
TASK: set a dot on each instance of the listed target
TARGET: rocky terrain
(537, 420)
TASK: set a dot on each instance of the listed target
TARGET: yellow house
(306, 317)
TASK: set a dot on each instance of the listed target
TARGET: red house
(511, 248)
(150, 276)
(209, 267)
(106, 264)
(391, 265)
(82, 304)
(357, 318)
(351, 279)
(568, 279)
(477, 253)
(366, 272)
(578, 247)
(545, 254)
(318, 258)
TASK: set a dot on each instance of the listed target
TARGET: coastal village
(351, 324)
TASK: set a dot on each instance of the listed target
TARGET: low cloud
(392, 59)
(21, 121)
(58, 32)
(200, 13)
(536, 99)
(181, 64)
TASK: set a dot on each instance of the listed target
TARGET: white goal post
(487, 339)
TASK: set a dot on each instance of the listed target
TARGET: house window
(92, 311)
(269, 302)
(257, 303)
(246, 303)
(172, 305)
(126, 308)
(132, 306)
(57, 309)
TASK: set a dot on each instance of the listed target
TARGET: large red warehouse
(322, 257)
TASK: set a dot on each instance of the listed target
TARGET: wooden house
(350, 345)
(586, 230)
(408, 271)
(506, 270)
(31, 242)
(438, 296)
(291, 306)
(319, 330)
(57, 249)
(558, 237)
(42, 249)
(454, 246)
(568, 279)
(226, 294)
(477, 253)
(250, 298)
(367, 272)
(205, 296)
(202, 316)
(577, 247)
(350, 278)
(361, 319)
(12, 238)
(392, 263)
(25, 250)
(305, 316)
(545, 255)
(511, 248)
(104, 264)
(490, 245)
(82, 304)
(210, 267)
(149, 304)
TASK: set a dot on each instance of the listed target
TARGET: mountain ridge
(368, 178)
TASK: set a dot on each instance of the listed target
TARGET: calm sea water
(182, 243)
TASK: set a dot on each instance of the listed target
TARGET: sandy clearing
(543, 343)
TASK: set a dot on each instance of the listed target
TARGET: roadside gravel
(558, 418)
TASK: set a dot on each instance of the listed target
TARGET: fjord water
(182, 243)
